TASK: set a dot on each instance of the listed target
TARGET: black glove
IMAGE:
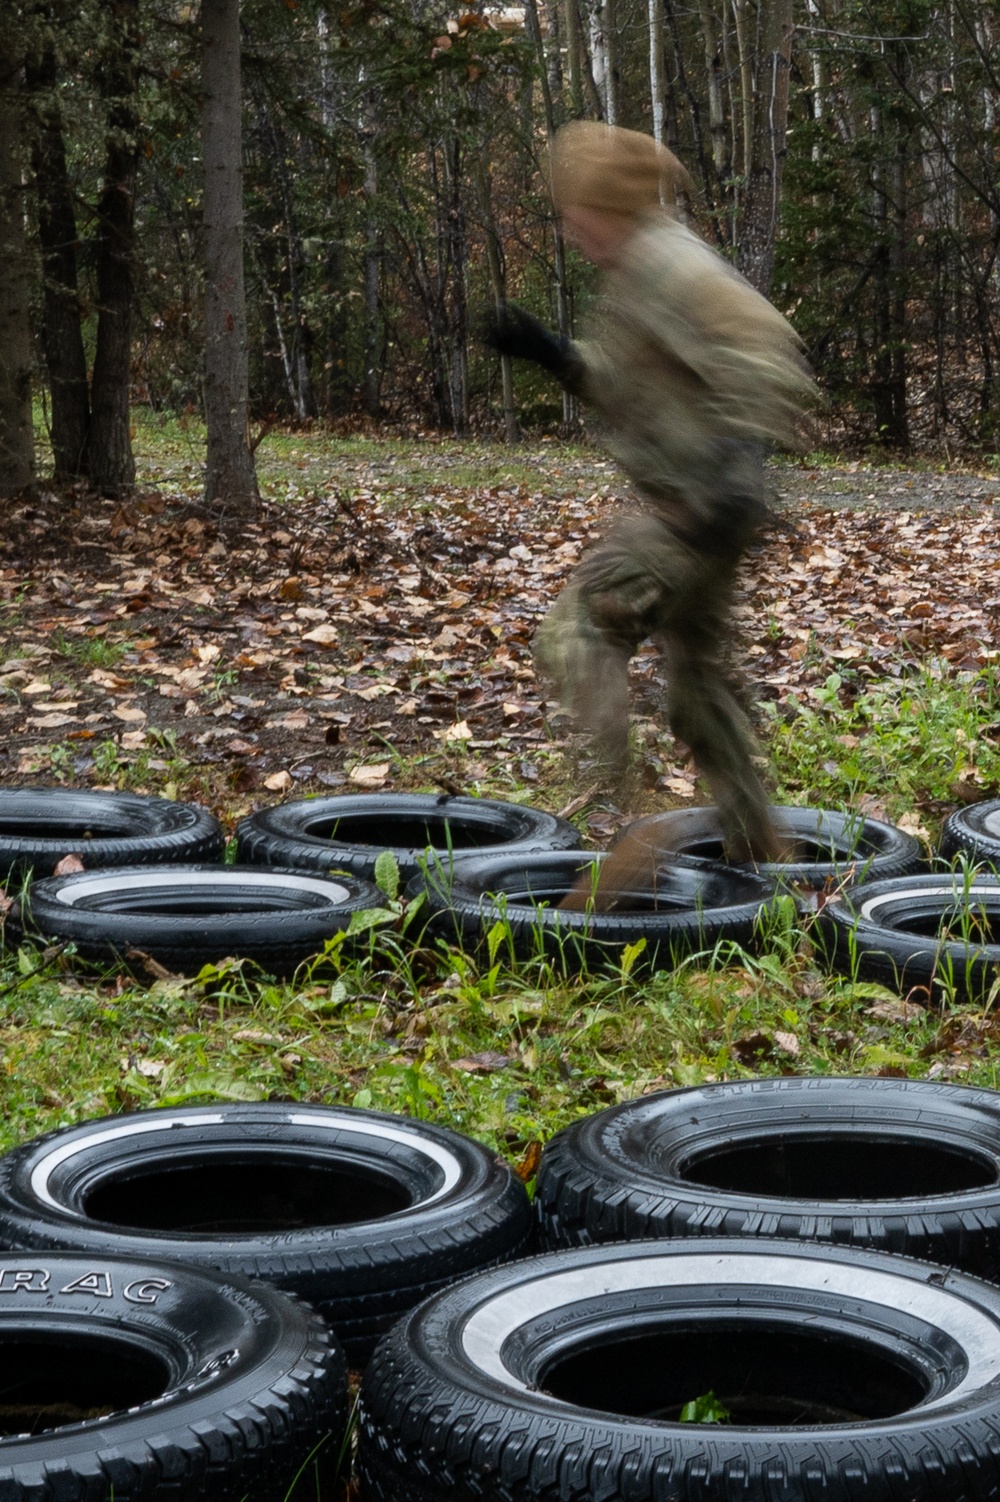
(511, 331)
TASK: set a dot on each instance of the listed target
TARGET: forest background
(378, 171)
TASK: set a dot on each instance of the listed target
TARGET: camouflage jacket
(693, 372)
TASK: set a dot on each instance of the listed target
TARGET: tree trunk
(889, 325)
(62, 337)
(371, 380)
(111, 463)
(495, 265)
(17, 444)
(574, 58)
(714, 73)
(604, 47)
(564, 319)
(690, 94)
(458, 373)
(657, 74)
(17, 453)
(230, 481)
(757, 224)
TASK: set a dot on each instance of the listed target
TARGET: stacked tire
(145, 885)
(687, 908)
(130, 1379)
(183, 1286)
(732, 1309)
(934, 936)
(360, 1213)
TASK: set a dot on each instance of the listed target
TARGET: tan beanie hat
(599, 166)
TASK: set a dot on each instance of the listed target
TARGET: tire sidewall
(886, 849)
(229, 1343)
(162, 829)
(855, 934)
(467, 901)
(425, 1366)
(974, 832)
(281, 832)
(475, 1209)
(620, 1173)
(191, 940)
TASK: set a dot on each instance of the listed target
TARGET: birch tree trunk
(230, 481)
(604, 49)
(657, 72)
(17, 445)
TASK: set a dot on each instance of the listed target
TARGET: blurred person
(695, 374)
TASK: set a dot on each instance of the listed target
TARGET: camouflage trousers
(644, 580)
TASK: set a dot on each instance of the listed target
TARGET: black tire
(973, 832)
(850, 1376)
(349, 833)
(41, 825)
(135, 1381)
(185, 917)
(827, 846)
(930, 937)
(906, 1166)
(359, 1212)
(691, 907)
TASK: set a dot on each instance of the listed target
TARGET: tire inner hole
(70, 1378)
(216, 901)
(222, 1196)
(804, 850)
(959, 925)
(63, 829)
(839, 1166)
(624, 902)
(413, 833)
(761, 1372)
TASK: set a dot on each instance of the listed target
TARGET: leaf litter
(379, 632)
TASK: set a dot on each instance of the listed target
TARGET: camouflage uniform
(694, 374)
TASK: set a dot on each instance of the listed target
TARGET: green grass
(170, 452)
(508, 1053)
(92, 651)
(907, 742)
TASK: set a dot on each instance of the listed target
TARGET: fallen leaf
(457, 732)
(910, 823)
(323, 636)
(487, 1062)
(68, 866)
(896, 1011)
(528, 1166)
(278, 782)
(369, 775)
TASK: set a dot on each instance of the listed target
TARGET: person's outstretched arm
(513, 331)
